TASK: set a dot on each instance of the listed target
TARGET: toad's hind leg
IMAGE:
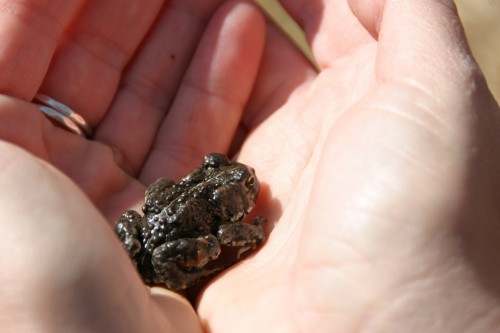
(179, 264)
(242, 235)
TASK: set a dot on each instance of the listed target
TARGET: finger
(178, 307)
(277, 82)
(213, 93)
(88, 63)
(369, 13)
(415, 35)
(152, 80)
(91, 165)
(331, 27)
(29, 31)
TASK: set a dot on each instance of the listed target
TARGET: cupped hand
(382, 179)
(378, 172)
(161, 83)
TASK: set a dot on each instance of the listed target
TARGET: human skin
(379, 172)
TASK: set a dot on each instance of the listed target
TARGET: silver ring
(64, 115)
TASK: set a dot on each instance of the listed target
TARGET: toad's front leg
(242, 235)
(127, 228)
(179, 264)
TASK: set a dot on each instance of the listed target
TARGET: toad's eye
(250, 181)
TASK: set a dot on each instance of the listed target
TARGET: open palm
(372, 169)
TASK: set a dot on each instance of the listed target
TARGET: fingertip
(175, 310)
(423, 40)
(369, 14)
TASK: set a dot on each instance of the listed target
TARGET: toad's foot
(242, 235)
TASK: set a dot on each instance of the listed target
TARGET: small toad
(185, 223)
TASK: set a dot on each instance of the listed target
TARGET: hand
(154, 81)
(375, 171)
(161, 85)
(383, 178)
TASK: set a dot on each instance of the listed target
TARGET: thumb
(421, 39)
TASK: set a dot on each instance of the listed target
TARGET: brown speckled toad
(184, 224)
